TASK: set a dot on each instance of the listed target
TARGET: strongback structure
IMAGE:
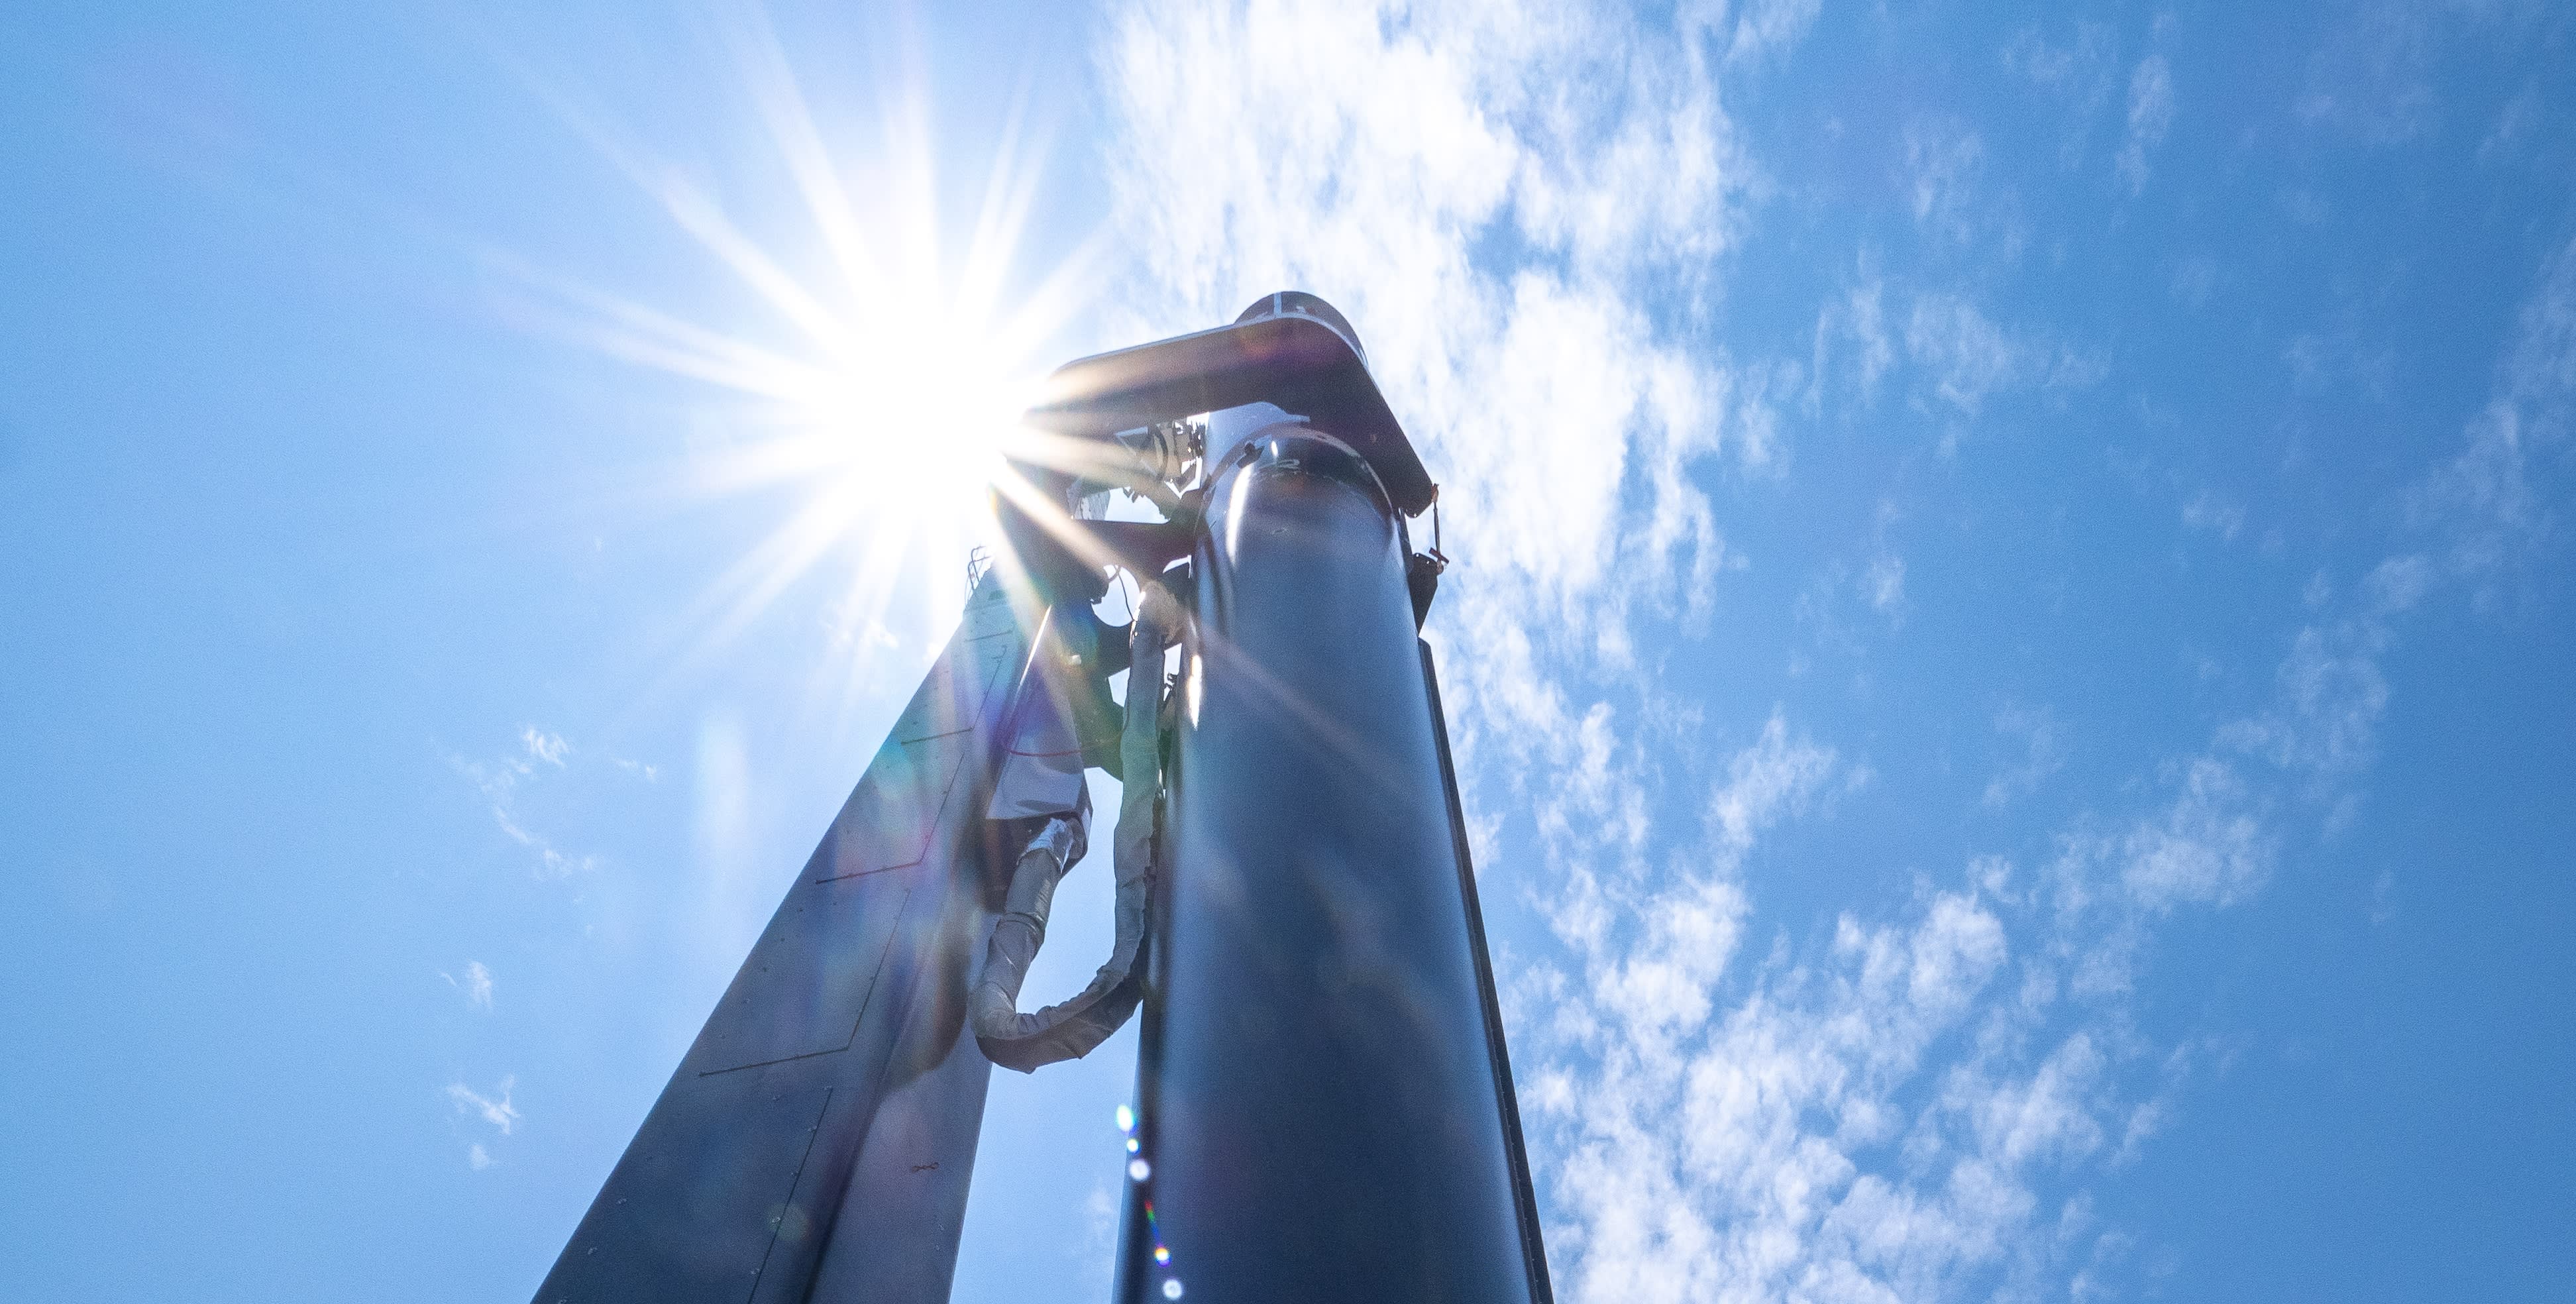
(1324, 1106)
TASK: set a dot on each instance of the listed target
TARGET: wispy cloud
(1944, 160)
(2194, 278)
(1858, 316)
(477, 984)
(1763, 1144)
(1916, 1109)
(2370, 78)
(2208, 511)
(2037, 732)
(1368, 152)
(1969, 357)
(2208, 845)
(1100, 1233)
(2079, 73)
(494, 1109)
(1885, 584)
(2513, 125)
(543, 746)
(2483, 503)
(2151, 110)
(500, 781)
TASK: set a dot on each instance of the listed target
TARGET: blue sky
(2002, 651)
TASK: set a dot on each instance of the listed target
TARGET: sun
(889, 377)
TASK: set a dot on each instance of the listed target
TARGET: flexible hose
(1072, 1029)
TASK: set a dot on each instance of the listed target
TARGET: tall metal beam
(817, 1140)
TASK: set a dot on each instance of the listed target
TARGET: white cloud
(1365, 151)
(2383, 897)
(1943, 162)
(2084, 75)
(2150, 114)
(2513, 125)
(478, 1158)
(1744, 1151)
(493, 1109)
(2080, 74)
(2043, 752)
(2483, 501)
(543, 746)
(477, 984)
(2303, 205)
(1869, 329)
(1100, 1232)
(2193, 280)
(1969, 357)
(1885, 583)
(501, 781)
(2331, 691)
(2205, 846)
(2340, 356)
(2208, 511)
(1772, 778)
(2077, 70)
(2372, 77)
(1764, 28)
(1915, 1111)
(1856, 318)
(2369, 78)
(1717, 1151)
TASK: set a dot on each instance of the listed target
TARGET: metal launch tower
(1323, 1106)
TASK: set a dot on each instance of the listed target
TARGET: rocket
(1324, 1106)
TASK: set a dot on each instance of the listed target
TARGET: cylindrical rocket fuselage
(1320, 1116)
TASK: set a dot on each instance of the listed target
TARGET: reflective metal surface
(1320, 1116)
(1297, 360)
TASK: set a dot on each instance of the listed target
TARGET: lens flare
(874, 391)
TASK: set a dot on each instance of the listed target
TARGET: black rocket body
(1324, 1116)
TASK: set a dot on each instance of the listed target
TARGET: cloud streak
(2151, 111)
(476, 985)
(494, 1109)
(501, 781)
(1368, 150)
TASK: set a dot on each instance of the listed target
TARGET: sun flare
(885, 380)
